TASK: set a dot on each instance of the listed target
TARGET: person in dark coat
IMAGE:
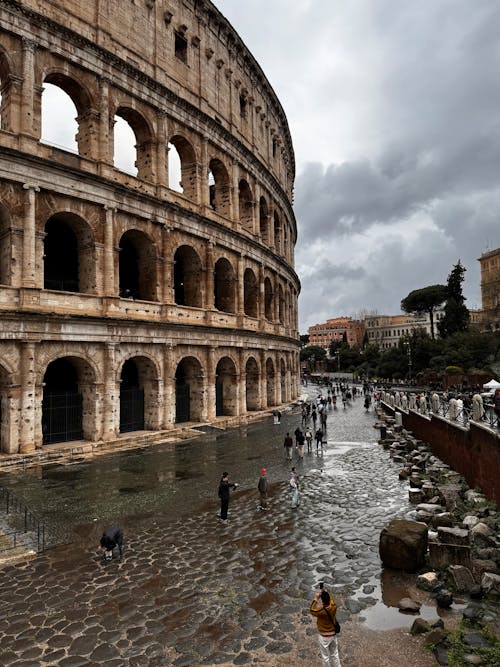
(224, 487)
(111, 538)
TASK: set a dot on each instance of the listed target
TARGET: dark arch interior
(60, 257)
(129, 269)
(62, 408)
(131, 399)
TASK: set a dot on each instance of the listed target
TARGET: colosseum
(147, 298)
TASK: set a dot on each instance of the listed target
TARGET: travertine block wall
(188, 81)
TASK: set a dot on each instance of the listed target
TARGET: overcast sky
(394, 110)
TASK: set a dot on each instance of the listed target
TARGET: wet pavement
(189, 590)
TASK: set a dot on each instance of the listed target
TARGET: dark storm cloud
(394, 109)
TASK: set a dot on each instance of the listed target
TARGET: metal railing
(29, 531)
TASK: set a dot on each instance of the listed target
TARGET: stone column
(29, 251)
(162, 150)
(277, 380)
(235, 187)
(27, 424)
(209, 276)
(204, 168)
(210, 379)
(105, 123)
(276, 299)
(109, 252)
(111, 399)
(240, 305)
(261, 311)
(28, 87)
(169, 389)
(263, 380)
(242, 383)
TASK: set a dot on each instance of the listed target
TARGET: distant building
(490, 290)
(334, 330)
(385, 331)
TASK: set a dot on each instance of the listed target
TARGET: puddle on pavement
(389, 590)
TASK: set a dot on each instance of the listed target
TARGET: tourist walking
(262, 486)
(309, 437)
(294, 488)
(496, 405)
(111, 538)
(319, 439)
(324, 609)
(300, 446)
(224, 487)
(288, 445)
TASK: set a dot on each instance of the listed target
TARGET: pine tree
(456, 315)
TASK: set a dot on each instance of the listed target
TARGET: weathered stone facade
(124, 304)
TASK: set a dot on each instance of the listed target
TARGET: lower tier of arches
(54, 392)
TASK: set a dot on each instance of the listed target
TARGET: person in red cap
(262, 486)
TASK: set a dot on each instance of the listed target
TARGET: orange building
(490, 289)
(333, 330)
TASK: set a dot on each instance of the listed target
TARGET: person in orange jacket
(324, 609)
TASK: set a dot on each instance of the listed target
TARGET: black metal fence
(28, 530)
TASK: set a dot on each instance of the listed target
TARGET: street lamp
(408, 352)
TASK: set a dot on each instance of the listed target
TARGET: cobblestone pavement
(190, 591)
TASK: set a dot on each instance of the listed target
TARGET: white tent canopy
(492, 384)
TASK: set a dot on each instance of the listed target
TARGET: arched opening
(182, 167)
(284, 393)
(250, 293)
(131, 398)
(218, 183)
(137, 267)
(225, 388)
(268, 300)
(224, 286)
(132, 144)
(68, 404)
(277, 232)
(187, 277)
(5, 93)
(245, 200)
(69, 261)
(58, 103)
(281, 305)
(264, 221)
(252, 385)
(188, 390)
(5, 247)
(270, 383)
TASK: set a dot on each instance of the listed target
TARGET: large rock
(403, 544)
(490, 582)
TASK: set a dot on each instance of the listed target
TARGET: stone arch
(69, 256)
(188, 167)
(250, 293)
(264, 221)
(226, 381)
(277, 232)
(270, 383)
(137, 266)
(187, 277)
(86, 122)
(69, 407)
(252, 385)
(219, 187)
(224, 286)
(189, 390)
(245, 205)
(268, 300)
(143, 140)
(139, 398)
(283, 382)
(5, 246)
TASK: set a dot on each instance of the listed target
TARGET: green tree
(425, 300)
(456, 315)
(304, 340)
(312, 351)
